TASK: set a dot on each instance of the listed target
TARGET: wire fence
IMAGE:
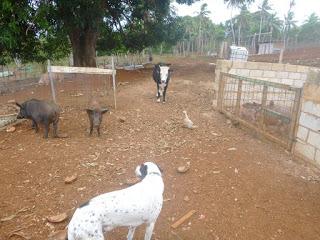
(73, 91)
(268, 108)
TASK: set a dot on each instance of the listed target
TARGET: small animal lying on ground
(161, 75)
(40, 112)
(95, 113)
(129, 207)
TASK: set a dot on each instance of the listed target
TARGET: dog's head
(147, 168)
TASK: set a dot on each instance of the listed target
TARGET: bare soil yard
(309, 56)
(240, 186)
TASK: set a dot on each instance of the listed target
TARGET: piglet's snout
(96, 118)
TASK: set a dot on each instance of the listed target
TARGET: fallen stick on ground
(183, 218)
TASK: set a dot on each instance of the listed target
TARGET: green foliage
(310, 30)
(27, 34)
(39, 30)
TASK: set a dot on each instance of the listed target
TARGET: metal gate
(269, 108)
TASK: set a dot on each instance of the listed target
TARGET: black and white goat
(161, 75)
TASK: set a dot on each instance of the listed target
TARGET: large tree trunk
(83, 47)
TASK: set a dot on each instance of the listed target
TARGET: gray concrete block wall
(308, 133)
(280, 73)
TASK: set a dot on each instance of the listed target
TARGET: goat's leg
(164, 94)
(149, 231)
(158, 93)
(131, 233)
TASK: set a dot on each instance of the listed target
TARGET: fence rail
(269, 108)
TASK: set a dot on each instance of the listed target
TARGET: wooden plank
(294, 118)
(12, 124)
(183, 219)
(86, 70)
(263, 107)
(221, 92)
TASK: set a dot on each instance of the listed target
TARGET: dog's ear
(18, 105)
(143, 170)
(89, 111)
(103, 111)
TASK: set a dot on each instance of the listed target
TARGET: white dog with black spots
(130, 207)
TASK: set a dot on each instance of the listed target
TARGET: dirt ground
(302, 56)
(241, 187)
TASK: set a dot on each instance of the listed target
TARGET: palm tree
(204, 12)
(289, 22)
(264, 8)
(310, 30)
(242, 21)
(274, 24)
(238, 3)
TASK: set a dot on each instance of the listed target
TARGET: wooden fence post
(294, 118)
(239, 93)
(114, 84)
(53, 91)
(263, 106)
(221, 91)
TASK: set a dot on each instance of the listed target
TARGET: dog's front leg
(131, 233)
(149, 231)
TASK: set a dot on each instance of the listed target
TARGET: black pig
(95, 113)
(40, 112)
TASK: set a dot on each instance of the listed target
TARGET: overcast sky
(220, 12)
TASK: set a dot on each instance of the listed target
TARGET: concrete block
(282, 75)
(303, 69)
(305, 150)
(223, 64)
(298, 83)
(310, 121)
(295, 75)
(277, 67)
(291, 68)
(317, 158)
(252, 65)
(239, 64)
(287, 81)
(302, 133)
(269, 74)
(233, 71)
(217, 74)
(314, 139)
(244, 72)
(304, 77)
(256, 73)
(311, 107)
(265, 66)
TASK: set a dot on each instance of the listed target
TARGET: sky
(220, 12)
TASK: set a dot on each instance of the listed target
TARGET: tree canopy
(35, 30)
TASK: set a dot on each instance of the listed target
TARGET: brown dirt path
(254, 192)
